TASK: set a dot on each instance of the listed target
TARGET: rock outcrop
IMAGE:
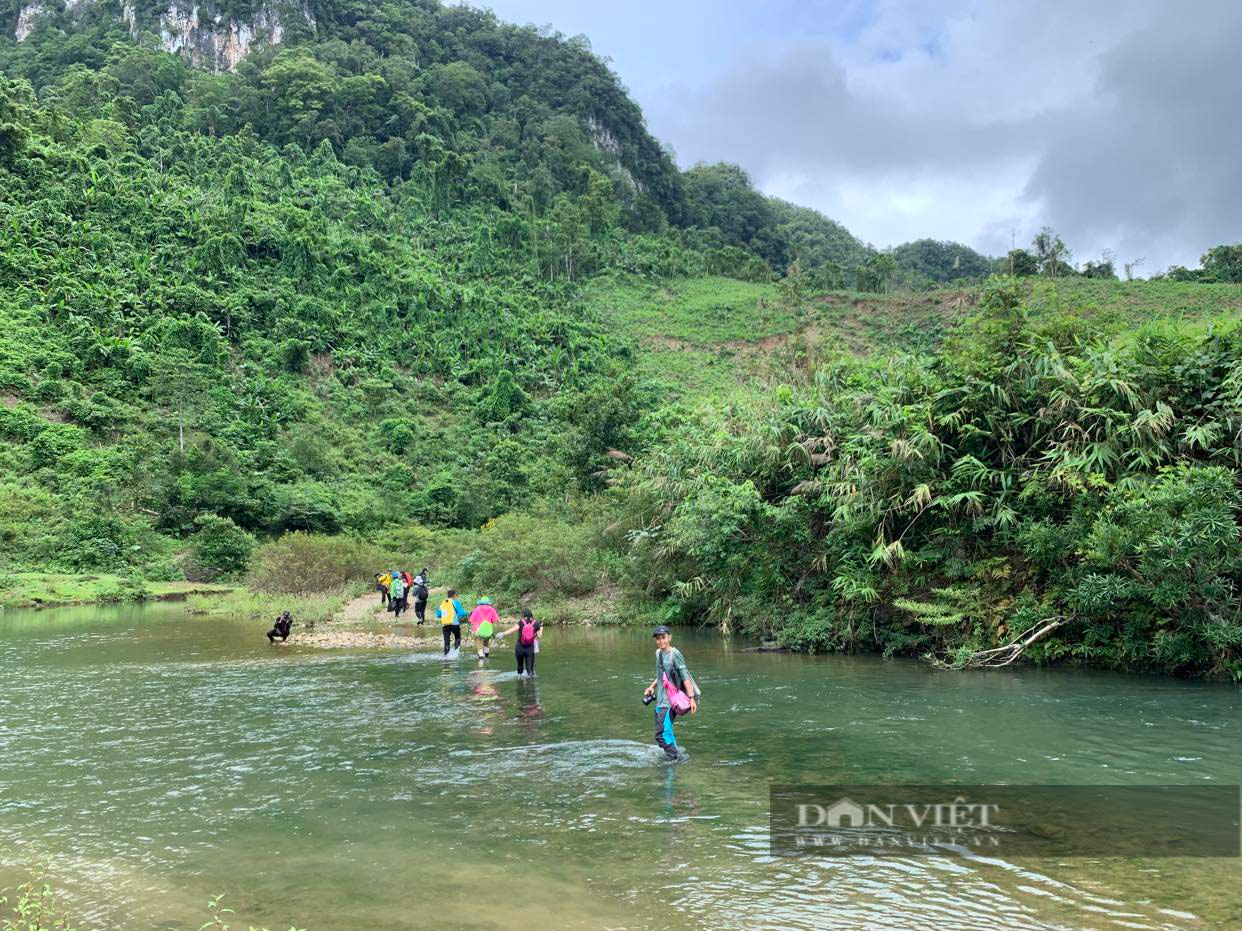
(198, 32)
(30, 13)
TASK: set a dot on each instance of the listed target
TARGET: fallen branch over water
(998, 657)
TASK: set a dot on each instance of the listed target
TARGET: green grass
(714, 340)
(698, 336)
(868, 324)
(247, 605)
(699, 311)
(41, 589)
(1126, 302)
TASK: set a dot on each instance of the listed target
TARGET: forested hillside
(416, 276)
(204, 326)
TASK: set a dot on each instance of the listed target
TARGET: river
(158, 759)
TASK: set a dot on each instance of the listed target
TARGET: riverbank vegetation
(1034, 468)
(32, 906)
(287, 326)
(44, 589)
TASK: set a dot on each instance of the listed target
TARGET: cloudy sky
(1117, 122)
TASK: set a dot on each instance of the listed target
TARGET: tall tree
(1051, 253)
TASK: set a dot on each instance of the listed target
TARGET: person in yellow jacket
(383, 580)
(450, 614)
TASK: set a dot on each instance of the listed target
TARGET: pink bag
(677, 699)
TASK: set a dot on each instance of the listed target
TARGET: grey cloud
(1152, 168)
(1138, 153)
(791, 108)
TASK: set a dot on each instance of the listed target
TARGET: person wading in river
(483, 622)
(450, 614)
(671, 673)
(529, 631)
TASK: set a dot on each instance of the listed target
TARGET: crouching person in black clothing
(284, 624)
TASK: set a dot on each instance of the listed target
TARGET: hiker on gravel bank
(382, 581)
(421, 593)
(396, 594)
(409, 584)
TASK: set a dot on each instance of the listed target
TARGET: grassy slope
(708, 339)
(40, 589)
(692, 330)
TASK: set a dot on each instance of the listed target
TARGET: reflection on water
(160, 759)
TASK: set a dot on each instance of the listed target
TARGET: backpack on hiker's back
(526, 634)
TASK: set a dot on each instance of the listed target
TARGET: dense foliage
(198, 326)
(949, 503)
(418, 282)
(941, 261)
(1219, 264)
(472, 109)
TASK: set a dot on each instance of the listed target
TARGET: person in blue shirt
(450, 614)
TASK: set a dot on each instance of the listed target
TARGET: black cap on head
(661, 630)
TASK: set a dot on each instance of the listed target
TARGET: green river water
(157, 759)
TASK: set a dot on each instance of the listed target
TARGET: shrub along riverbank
(1037, 466)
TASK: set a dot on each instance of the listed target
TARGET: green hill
(421, 278)
(204, 326)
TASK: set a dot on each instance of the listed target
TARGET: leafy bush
(520, 555)
(221, 550)
(1158, 578)
(303, 562)
(100, 541)
(398, 435)
(414, 546)
(33, 907)
(53, 443)
(308, 506)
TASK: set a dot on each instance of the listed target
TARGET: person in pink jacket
(483, 621)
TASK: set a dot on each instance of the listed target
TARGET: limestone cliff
(199, 32)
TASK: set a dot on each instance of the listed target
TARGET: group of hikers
(485, 625)
(395, 588)
(673, 691)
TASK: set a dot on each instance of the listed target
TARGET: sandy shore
(336, 639)
(363, 622)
